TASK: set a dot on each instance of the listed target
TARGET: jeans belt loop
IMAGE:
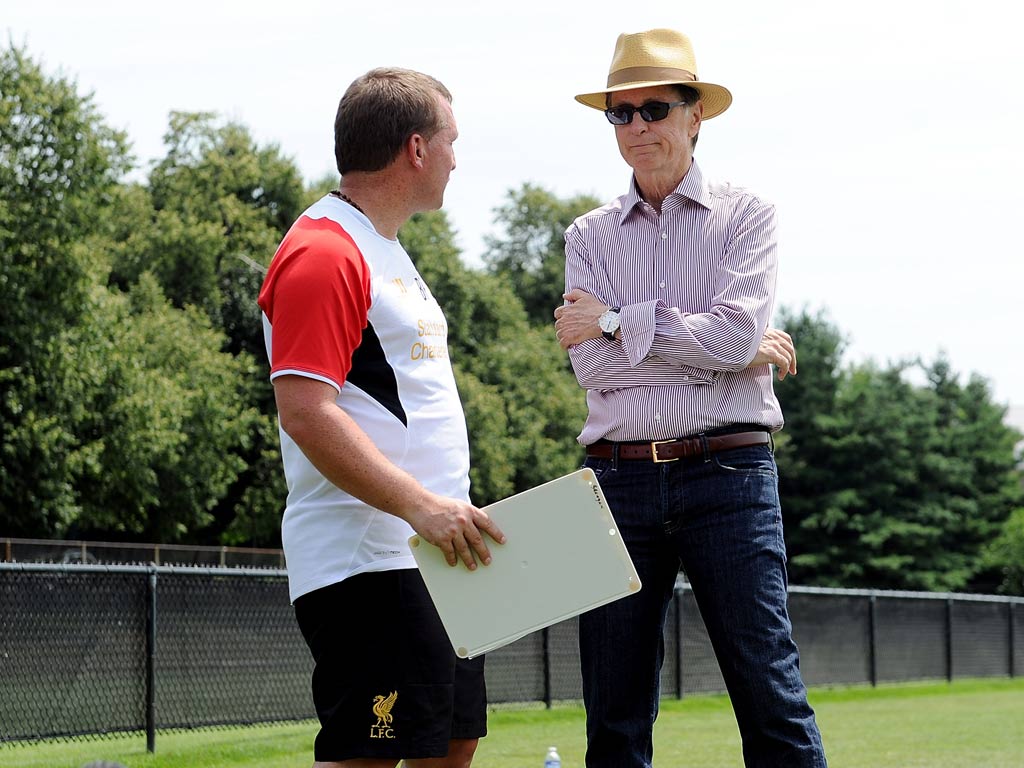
(615, 457)
(704, 446)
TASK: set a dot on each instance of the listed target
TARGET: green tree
(873, 520)
(218, 205)
(1005, 555)
(974, 466)
(885, 483)
(805, 476)
(121, 415)
(206, 225)
(59, 169)
(530, 253)
(523, 407)
(160, 416)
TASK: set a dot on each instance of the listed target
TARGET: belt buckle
(654, 452)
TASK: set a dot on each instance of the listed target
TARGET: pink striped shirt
(696, 287)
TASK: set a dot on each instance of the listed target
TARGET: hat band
(649, 74)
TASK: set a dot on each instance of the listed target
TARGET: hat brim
(716, 98)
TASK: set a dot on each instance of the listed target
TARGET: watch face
(609, 321)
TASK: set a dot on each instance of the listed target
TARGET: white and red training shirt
(345, 306)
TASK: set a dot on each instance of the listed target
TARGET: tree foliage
(160, 416)
(523, 407)
(206, 225)
(888, 484)
(59, 167)
(120, 414)
(530, 253)
(1005, 555)
(135, 400)
(217, 205)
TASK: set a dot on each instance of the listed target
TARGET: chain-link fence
(14, 550)
(88, 649)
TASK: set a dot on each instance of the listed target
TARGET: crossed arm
(661, 345)
(576, 323)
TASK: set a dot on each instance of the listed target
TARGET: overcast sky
(889, 134)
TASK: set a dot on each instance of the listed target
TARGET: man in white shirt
(374, 440)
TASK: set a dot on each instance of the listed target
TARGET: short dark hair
(686, 93)
(379, 112)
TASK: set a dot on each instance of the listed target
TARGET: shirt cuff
(636, 323)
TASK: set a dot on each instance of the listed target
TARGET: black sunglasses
(651, 112)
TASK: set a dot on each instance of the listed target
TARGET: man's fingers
(476, 541)
(449, 552)
(786, 342)
(484, 523)
(475, 538)
(563, 337)
(777, 348)
(463, 550)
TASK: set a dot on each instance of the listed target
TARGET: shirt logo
(382, 709)
(423, 289)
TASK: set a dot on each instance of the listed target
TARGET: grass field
(966, 724)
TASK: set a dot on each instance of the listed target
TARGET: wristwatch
(609, 323)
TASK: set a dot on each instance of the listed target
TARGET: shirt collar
(693, 187)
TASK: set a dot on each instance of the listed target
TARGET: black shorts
(386, 682)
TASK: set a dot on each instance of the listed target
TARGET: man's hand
(776, 348)
(455, 526)
(576, 321)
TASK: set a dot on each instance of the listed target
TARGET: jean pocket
(755, 460)
(601, 467)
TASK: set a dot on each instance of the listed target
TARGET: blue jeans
(719, 517)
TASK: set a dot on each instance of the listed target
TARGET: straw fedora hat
(657, 57)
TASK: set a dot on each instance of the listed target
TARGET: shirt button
(661, 284)
(664, 236)
(686, 378)
(657, 417)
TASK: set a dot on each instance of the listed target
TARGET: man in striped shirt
(669, 290)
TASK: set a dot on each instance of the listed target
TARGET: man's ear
(415, 149)
(697, 113)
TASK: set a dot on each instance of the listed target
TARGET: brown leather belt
(660, 451)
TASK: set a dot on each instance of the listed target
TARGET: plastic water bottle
(552, 760)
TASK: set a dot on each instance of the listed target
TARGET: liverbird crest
(382, 708)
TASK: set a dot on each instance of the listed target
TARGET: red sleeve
(316, 296)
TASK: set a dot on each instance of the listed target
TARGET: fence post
(1012, 660)
(949, 639)
(873, 639)
(679, 643)
(151, 661)
(546, 647)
